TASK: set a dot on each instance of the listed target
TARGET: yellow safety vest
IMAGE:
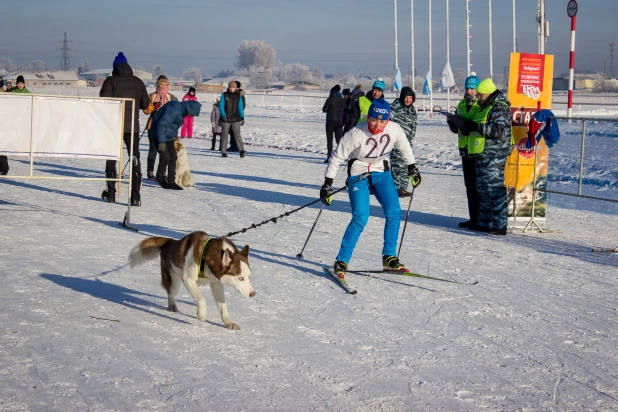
(476, 141)
(363, 103)
(462, 110)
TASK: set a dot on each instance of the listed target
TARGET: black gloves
(326, 192)
(471, 125)
(466, 126)
(242, 121)
(414, 174)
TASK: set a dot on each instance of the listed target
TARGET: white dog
(183, 172)
(197, 260)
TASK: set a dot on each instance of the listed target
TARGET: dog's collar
(203, 256)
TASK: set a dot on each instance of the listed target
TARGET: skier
(359, 108)
(158, 99)
(122, 83)
(366, 149)
(490, 140)
(466, 109)
(164, 128)
(403, 113)
(187, 125)
(333, 107)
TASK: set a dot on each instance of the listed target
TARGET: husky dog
(183, 172)
(180, 263)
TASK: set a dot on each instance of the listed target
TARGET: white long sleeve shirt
(369, 150)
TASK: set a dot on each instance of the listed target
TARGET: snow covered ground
(81, 331)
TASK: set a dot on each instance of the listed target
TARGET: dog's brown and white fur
(180, 262)
(183, 172)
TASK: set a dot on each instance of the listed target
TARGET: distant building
(219, 84)
(300, 85)
(93, 75)
(46, 78)
(580, 82)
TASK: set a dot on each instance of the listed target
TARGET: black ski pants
(336, 128)
(474, 199)
(110, 165)
(167, 161)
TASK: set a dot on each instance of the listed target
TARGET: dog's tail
(147, 249)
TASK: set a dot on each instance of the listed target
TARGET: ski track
(81, 331)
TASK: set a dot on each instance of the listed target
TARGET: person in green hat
(466, 109)
(490, 141)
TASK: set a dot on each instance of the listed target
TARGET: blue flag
(398, 85)
(427, 85)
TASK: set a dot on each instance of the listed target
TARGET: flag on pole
(398, 85)
(427, 85)
(447, 80)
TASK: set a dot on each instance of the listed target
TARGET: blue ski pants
(381, 185)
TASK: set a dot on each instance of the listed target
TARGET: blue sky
(336, 35)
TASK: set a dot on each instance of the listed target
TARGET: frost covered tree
(193, 74)
(84, 67)
(255, 53)
(36, 65)
(157, 70)
(7, 64)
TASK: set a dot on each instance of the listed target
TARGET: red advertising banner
(530, 74)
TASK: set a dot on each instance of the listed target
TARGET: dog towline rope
(202, 260)
(274, 219)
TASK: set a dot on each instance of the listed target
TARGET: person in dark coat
(122, 83)
(164, 128)
(232, 110)
(333, 107)
(233, 146)
(360, 104)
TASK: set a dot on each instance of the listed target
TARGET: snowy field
(81, 331)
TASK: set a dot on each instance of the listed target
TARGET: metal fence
(315, 101)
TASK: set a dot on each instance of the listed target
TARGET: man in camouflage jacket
(403, 113)
(490, 141)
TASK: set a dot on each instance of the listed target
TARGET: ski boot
(340, 268)
(243, 153)
(392, 264)
(109, 197)
(151, 176)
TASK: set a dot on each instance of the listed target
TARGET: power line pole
(468, 51)
(65, 60)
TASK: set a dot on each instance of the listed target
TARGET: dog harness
(203, 256)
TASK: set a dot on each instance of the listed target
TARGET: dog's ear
(245, 251)
(226, 260)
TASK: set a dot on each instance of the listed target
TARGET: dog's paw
(201, 314)
(232, 326)
(172, 308)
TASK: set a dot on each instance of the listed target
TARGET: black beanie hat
(192, 89)
(346, 92)
(20, 79)
(336, 88)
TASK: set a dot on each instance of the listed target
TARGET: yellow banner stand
(529, 90)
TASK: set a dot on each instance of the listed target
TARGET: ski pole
(300, 255)
(406, 224)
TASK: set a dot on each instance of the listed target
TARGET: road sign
(572, 8)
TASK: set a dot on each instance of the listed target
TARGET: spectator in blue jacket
(164, 128)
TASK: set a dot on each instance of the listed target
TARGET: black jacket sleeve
(353, 116)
